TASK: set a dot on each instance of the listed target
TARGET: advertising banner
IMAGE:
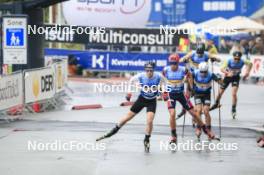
(258, 66)
(107, 13)
(11, 90)
(39, 84)
(121, 61)
(112, 61)
(143, 13)
(110, 36)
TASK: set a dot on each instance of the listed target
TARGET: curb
(127, 103)
(83, 107)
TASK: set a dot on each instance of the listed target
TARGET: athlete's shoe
(198, 132)
(193, 123)
(234, 113)
(112, 131)
(209, 133)
(173, 140)
(109, 134)
(146, 145)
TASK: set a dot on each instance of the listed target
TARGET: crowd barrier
(33, 88)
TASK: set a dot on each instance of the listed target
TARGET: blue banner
(113, 61)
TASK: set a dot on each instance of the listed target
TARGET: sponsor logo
(46, 85)
(125, 6)
(59, 36)
(97, 62)
(114, 37)
(9, 90)
(138, 6)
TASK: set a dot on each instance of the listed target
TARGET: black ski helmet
(150, 65)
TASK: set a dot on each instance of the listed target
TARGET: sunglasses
(174, 63)
(236, 58)
(203, 72)
(149, 70)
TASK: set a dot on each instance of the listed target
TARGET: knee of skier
(172, 114)
(234, 95)
(206, 111)
(149, 122)
(198, 111)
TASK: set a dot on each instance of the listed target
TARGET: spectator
(210, 47)
(224, 48)
(237, 47)
(244, 44)
(251, 44)
(258, 48)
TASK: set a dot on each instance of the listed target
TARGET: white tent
(241, 23)
(187, 25)
(212, 22)
(258, 14)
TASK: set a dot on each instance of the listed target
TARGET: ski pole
(183, 126)
(213, 81)
(219, 115)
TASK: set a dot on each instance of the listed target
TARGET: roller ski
(109, 134)
(210, 134)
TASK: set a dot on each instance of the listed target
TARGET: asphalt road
(123, 153)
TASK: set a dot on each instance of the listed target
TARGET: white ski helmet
(203, 67)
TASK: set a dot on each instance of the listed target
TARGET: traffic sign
(15, 39)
